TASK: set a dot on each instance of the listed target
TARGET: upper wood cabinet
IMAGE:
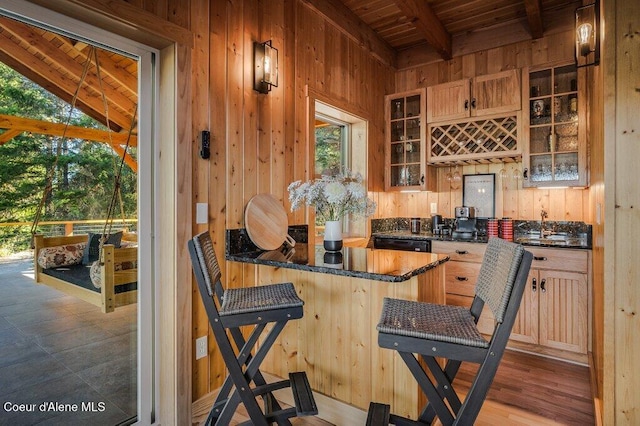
(405, 148)
(555, 148)
(474, 97)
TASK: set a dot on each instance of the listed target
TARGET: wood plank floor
(527, 390)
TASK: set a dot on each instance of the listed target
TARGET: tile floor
(55, 348)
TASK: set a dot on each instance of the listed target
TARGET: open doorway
(116, 372)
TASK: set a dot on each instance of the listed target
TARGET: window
(340, 140)
(332, 142)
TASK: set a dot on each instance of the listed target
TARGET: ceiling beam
(60, 85)
(91, 86)
(355, 28)
(534, 16)
(107, 66)
(8, 135)
(422, 16)
(20, 125)
(128, 160)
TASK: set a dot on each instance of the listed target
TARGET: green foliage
(83, 180)
(328, 150)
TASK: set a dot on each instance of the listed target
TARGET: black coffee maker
(465, 223)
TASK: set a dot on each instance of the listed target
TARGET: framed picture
(479, 191)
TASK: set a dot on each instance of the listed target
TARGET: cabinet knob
(542, 283)
(540, 258)
(462, 251)
(422, 179)
(462, 278)
(466, 105)
(473, 102)
(534, 285)
(525, 174)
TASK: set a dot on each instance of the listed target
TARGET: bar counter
(336, 340)
(355, 262)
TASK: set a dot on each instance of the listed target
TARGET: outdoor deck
(56, 348)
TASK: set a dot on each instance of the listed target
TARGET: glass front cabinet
(556, 152)
(405, 150)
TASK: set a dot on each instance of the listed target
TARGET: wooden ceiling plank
(534, 16)
(108, 66)
(31, 67)
(356, 29)
(21, 124)
(427, 23)
(25, 33)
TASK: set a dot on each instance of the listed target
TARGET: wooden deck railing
(15, 235)
(69, 227)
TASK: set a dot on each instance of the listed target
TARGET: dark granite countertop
(567, 235)
(357, 262)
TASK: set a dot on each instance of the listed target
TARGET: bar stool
(230, 309)
(420, 332)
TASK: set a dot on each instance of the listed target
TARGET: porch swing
(98, 268)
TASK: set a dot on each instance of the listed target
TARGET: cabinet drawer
(457, 300)
(461, 277)
(466, 252)
(560, 259)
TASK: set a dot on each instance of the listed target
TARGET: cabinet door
(405, 154)
(563, 310)
(525, 327)
(448, 101)
(496, 93)
(555, 151)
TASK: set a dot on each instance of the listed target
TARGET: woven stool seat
(256, 299)
(453, 324)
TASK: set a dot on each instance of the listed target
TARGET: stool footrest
(378, 414)
(302, 394)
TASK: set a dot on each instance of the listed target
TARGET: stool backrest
(202, 246)
(497, 274)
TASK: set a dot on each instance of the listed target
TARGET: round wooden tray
(266, 222)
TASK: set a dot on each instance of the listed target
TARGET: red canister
(492, 227)
(506, 229)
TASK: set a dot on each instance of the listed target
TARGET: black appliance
(465, 228)
(405, 244)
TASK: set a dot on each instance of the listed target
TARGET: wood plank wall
(258, 141)
(621, 148)
(511, 199)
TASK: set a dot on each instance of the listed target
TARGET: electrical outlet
(201, 347)
(434, 208)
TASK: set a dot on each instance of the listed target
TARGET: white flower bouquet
(333, 196)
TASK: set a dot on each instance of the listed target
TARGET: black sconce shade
(265, 63)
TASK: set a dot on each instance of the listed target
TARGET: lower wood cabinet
(554, 314)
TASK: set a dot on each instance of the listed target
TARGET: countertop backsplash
(522, 228)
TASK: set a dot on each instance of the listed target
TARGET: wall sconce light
(588, 35)
(265, 67)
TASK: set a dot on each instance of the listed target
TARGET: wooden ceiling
(441, 29)
(57, 63)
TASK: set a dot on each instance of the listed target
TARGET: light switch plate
(434, 208)
(201, 347)
(202, 213)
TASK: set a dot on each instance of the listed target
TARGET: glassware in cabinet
(556, 151)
